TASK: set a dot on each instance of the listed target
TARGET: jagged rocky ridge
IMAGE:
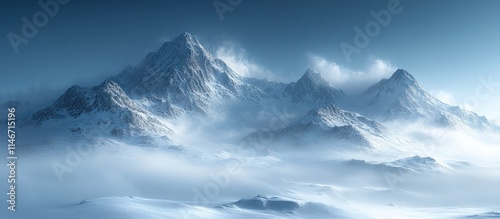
(182, 78)
(106, 105)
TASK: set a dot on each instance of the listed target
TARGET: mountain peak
(182, 73)
(402, 75)
(314, 77)
(186, 39)
(400, 96)
(182, 46)
(312, 87)
(310, 71)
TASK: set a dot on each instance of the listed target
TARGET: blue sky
(447, 45)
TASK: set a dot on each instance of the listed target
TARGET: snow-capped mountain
(286, 102)
(312, 88)
(318, 151)
(82, 109)
(400, 97)
(183, 76)
(327, 124)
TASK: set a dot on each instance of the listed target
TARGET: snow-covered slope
(401, 98)
(349, 162)
(312, 88)
(183, 76)
(418, 164)
(135, 207)
(328, 124)
(80, 110)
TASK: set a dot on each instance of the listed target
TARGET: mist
(118, 169)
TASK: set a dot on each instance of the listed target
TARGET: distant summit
(314, 78)
(401, 98)
(312, 87)
(186, 38)
(402, 75)
(328, 125)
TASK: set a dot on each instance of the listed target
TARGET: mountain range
(183, 79)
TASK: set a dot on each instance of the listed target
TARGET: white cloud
(330, 70)
(379, 68)
(348, 79)
(445, 97)
(236, 58)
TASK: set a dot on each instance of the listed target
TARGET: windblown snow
(182, 135)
